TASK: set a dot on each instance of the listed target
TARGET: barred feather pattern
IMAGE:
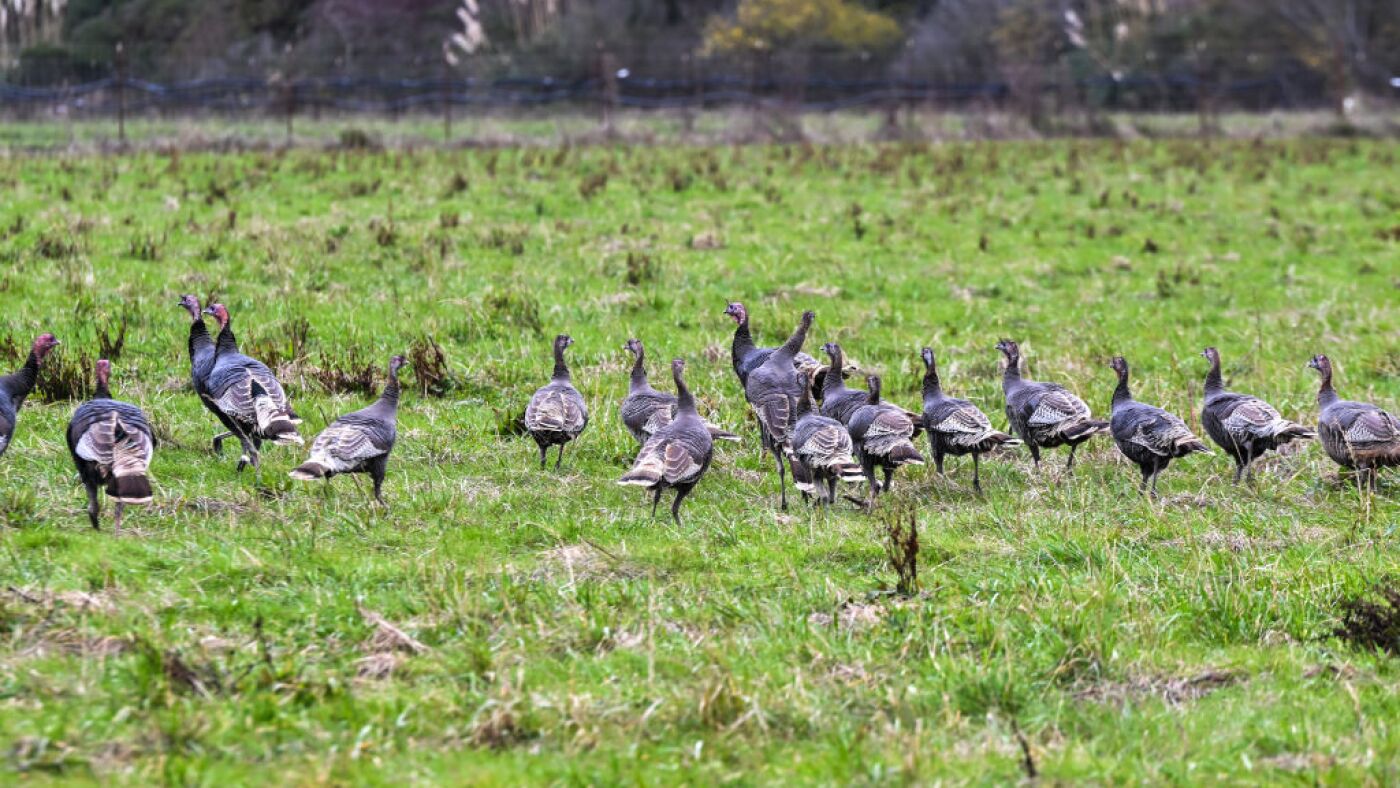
(115, 436)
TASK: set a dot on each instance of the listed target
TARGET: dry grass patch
(1172, 690)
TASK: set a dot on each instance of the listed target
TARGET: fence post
(607, 67)
(290, 97)
(121, 93)
(446, 103)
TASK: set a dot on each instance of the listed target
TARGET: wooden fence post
(121, 93)
(446, 104)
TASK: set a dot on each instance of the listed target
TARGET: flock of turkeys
(814, 426)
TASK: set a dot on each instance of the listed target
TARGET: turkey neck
(1121, 393)
(200, 343)
(1214, 385)
(932, 389)
(226, 342)
(639, 371)
(390, 396)
(874, 397)
(794, 343)
(685, 402)
(833, 383)
(561, 370)
(1011, 377)
(102, 391)
(743, 341)
(22, 381)
(1326, 395)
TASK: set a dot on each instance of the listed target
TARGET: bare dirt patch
(850, 616)
(1173, 690)
(79, 601)
(575, 562)
(1371, 621)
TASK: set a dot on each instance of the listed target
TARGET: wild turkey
(645, 410)
(111, 444)
(838, 401)
(1356, 435)
(557, 413)
(1148, 435)
(746, 357)
(773, 389)
(201, 347)
(883, 436)
(247, 397)
(1244, 426)
(358, 442)
(820, 452)
(956, 426)
(16, 386)
(677, 455)
(1044, 415)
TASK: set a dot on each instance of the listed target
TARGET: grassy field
(580, 125)
(555, 632)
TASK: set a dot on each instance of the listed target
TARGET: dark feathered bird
(1148, 435)
(557, 413)
(1044, 415)
(677, 455)
(1356, 435)
(956, 426)
(883, 435)
(838, 401)
(1244, 426)
(820, 453)
(15, 387)
(201, 348)
(747, 357)
(247, 397)
(773, 389)
(111, 444)
(645, 410)
(359, 442)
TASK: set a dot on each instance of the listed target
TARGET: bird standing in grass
(645, 410)
(1044, 415)
(111, 444)
(955, 426)
(1356, 435)
(247, 397)
(838, 401)
(746, 357)
(557, 413)
(1148, 435)
(359, 442)
(820, 453)
(1245, 427)
(883, 437)
(15, 387)
(677, 455)
(773, 389)
(201, 349)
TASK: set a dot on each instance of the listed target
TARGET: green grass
(571, 638)
(582, 125)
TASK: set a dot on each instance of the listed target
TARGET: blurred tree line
(1109, 48)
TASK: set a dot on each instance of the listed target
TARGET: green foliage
(766, 26)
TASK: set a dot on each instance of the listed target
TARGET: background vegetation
(511, 624)
(1316, 51)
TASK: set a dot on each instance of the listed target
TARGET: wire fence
(118, 95)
